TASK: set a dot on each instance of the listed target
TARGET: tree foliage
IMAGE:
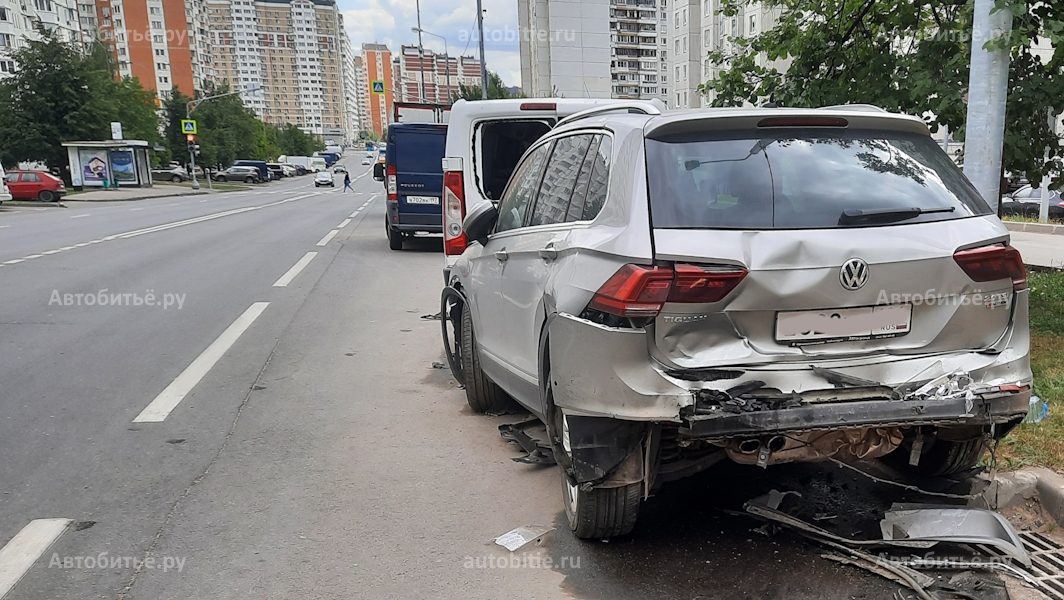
(908, 56)
(496, 89)
(56, 95)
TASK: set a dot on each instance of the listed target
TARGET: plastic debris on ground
(515, 538)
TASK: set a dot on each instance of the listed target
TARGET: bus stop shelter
(110, 163)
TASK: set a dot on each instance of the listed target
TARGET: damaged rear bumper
(608, 372)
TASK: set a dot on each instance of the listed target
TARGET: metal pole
(483, 69)
(1043, 211)
(191, 152)
(945, 139)
(987, 91)
(420, 53)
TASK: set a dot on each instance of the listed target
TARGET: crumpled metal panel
(955, 524)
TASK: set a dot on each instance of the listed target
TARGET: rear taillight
(393, 188)
(454, 239)
(992, 263)
(638, 291)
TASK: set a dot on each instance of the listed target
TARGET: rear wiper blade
(852, 216)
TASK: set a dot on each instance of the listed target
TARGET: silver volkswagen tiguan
(769, 285)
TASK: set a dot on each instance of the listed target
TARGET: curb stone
(1012, 487)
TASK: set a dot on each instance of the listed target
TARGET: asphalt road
(315, 451)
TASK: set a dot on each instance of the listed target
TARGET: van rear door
(417, 153)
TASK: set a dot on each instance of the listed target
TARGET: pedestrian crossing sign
(188, 126)
(378, 86)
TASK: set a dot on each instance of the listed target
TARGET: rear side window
(11, 177)
(560, 179)
(525, 184)
(804, 179)
(30, 177)
(599, 162)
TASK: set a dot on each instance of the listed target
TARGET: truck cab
(414, 180)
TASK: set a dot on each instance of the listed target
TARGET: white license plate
(843, 324)
(422, 200)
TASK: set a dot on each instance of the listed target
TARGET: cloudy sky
(389, 22)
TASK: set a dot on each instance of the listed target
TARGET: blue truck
(330, 157)
(414, 180)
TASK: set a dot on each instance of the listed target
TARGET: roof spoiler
(651, 107)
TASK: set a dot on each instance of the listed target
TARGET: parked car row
(1027, 202)
(666, 290)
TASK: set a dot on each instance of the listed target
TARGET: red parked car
(35, 185)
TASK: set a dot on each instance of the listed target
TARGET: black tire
(46, 196)
(939, 457)
(177, 179)
(395, 239)
(220, 178)
(481, 393)
(949, 457)
(249, 180)
(595, 513)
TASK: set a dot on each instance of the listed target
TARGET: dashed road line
(28, 545)
(79, 216)
(169, 398)
(328, 237)
(295, 270)
(344, 223)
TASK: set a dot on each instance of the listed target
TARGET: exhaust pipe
(749, 446)
(776, 443)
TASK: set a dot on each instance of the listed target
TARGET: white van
(485, 140)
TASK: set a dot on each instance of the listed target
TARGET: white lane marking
(28, 545)
(295, 270)
(32, 256)
(169, 398)
(79, 216)
(4, 226)
(51, 252)
(344, 223)
(66, 248)
(328, 237)
(354, 214)
(14, 261)
(136, 209)
(204, 200)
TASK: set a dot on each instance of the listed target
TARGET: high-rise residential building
(350, 87)
(635, 65)
(380, 94)
(151, 40)
(444, 75)
(565, 48)
(18, 20)
(289, 55)
(361, 93)
(592, 49)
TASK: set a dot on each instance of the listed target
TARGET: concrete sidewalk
(1040, 245)
(119, 194)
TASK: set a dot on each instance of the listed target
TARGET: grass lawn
(1043, 443)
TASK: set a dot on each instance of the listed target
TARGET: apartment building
(17, 24)
(380, 93)
(636, 63)
(289, 55)
(565, 48)
(361, 92)
(443, 75)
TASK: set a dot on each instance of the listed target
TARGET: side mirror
(480, 221)
(378, 172)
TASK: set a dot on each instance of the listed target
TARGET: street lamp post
(446, 58)
(189, 107)
(421, 53)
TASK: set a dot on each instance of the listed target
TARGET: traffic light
(196, 149)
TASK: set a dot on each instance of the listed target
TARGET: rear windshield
(419, 152)
(804, 179)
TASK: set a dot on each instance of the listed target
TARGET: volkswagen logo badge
(854, 274)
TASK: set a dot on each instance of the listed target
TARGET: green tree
(909, 56)
(496, 90)
(56, 95)
(173, 137)
(293, 141)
